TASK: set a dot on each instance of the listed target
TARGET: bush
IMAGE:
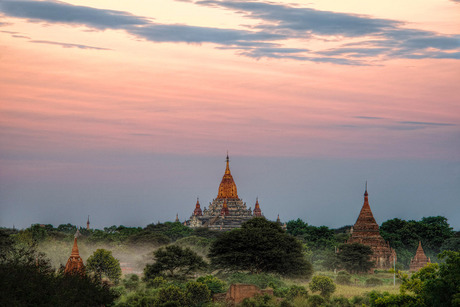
(340, 302)
(373, 282)
(259, 301)
(157, 282)
(323, 284)
(197, 293)
(131, 281)
(172, 294)
(296, 291)
(280, 292)
(213, 283)
(343, 278)
(316, 301)
(262, 280)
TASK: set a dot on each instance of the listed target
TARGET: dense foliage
(404, 236)
(102, 263)
(175, 262)
(355, 257)
(260, 246)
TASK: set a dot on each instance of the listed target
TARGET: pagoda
(227, 210)
(366, 231)
(75, 263)
(420, 260)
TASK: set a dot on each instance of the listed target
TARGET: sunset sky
(125, 110)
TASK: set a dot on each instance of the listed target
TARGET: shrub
(259, 301)
(131, 281)
(323, 284)
(213, 283)
(280, 292)
(340, 302)
(296, 291)
(316, 301)
(372, 282)
(172, 294)
(197, 293)
(262, 280)
(157, 282)
(343, 278)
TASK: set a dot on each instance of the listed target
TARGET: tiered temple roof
(227, 210)
(75, 263)
(366, 231)
(420, 260)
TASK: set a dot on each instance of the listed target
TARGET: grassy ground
(358, 286)
(352, 290)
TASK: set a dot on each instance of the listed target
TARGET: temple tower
(75, 263)
(197, 210)
(227, 187)
(366, 231)
(420, 260)
(257, 211)
(87, 224)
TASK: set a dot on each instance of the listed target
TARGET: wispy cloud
(368, 117)
(425, 123)
(279, 23)
(67, 45)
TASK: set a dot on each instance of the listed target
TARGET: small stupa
(420, 260)
(75, 263)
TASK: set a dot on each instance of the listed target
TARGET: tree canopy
(404, 236)
(355, 257)
(102, 263)
(174, 261)
(260, 246)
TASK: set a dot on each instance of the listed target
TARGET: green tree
(260, 246)
(172, 295)
(197, 293)
(102, 263)
(325, 285)
(452, 244)
(175, 262)
(355, 257)
(213, 283)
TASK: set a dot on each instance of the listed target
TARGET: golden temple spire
(227, 187)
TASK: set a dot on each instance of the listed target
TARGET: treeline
(319, 243)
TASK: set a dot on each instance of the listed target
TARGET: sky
(125, 110)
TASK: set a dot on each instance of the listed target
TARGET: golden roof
(227, 187)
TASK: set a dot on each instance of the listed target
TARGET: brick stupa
(75, 263)
(366, 231)
(420, 260)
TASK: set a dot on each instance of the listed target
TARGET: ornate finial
(365, 191)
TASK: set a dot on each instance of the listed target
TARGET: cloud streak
(382, 39)
(67, 45)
